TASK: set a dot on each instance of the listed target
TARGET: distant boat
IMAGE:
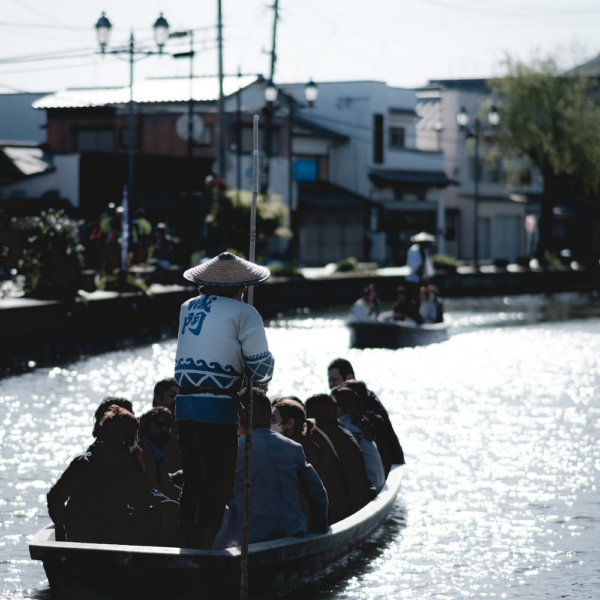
(388, 333)
(79, 571)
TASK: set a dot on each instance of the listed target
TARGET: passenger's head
(361, 391)
(321, 407)
(118, 427)
(164, 393)
(155, 426)
(288, 417)
(339, 370)
(347, 400)
(261, 409)
(280, 398)
(423, 293)
(105, 404)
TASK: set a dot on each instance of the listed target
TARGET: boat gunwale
(43, 548)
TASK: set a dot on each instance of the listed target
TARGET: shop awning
(384, 178)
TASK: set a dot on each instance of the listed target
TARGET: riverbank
(49, 332)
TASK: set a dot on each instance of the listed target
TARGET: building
(501, 211)
(353, 176)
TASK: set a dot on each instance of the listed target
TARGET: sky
(402, 42)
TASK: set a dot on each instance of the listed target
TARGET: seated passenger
(104, 405)
(434, 298)
(155, 428)
(289, 419)
(427, 308)
(164, 395)
(367, 306)
(323, 409)
(349, 416)
(108, 501)
(401, 306)
(371, 407)
(278, 468)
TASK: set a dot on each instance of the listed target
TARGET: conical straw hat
(227, 270)
(423, 237)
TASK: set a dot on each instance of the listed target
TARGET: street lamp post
(462, 118)
(311, 93)
(161, 35)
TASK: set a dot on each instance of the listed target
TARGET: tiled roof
(163, 89)
(29, 161)
(304, 126)
(322, 194)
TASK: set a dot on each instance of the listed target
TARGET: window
(378, 139)
(396, 137)
(96, 141)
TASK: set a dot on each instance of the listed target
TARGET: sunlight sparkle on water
(500, 429)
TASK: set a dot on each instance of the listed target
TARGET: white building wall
(64, 180)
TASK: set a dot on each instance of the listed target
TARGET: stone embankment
(49, 332)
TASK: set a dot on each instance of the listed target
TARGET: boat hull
(107, 571)
(393, 334)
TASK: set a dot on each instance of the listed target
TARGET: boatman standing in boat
(221, 341)
(421, 270)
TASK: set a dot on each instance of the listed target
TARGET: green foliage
(52, 255)
(232, 222)
(347, 265)
(444, 261)
(281, 269)
(550, 119)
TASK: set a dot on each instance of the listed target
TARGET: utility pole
(221, 105)
(268, 145)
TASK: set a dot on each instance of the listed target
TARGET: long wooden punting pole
(250, 407)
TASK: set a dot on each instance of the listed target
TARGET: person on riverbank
(278, 471)
(108, 500)
(349, 415)
(221, 341)
(323, 409)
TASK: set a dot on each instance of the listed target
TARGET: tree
(231, 214)
(552, 120)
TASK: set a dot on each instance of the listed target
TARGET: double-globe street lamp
(272, 93)
(161, 35)
(462, 118)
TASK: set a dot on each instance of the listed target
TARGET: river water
(500, 426)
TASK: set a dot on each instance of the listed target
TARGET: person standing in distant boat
(221, 341)
(421, 270)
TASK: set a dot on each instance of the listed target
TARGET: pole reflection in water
(500, 428)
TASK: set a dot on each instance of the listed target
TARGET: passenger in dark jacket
(387, 441)
(278, 468)
(108, 501)
(289, 419)
(155, 428)
(323, 409)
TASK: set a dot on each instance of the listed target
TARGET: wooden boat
(388, 333)
(101, 571)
